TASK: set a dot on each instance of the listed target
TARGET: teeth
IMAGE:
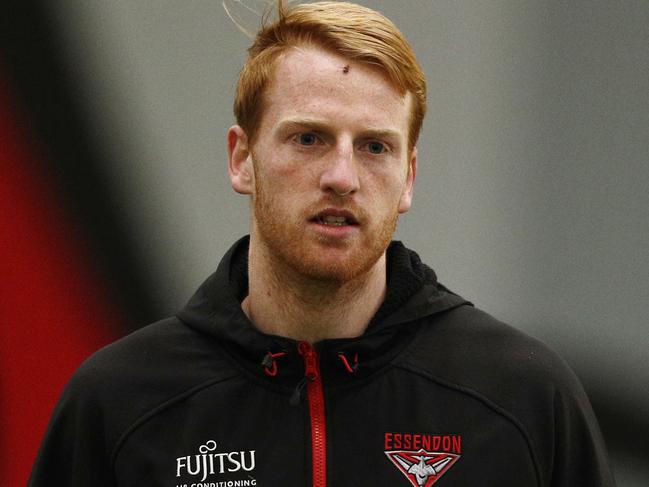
(333, 220)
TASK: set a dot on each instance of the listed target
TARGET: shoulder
(472, 348)
(156, 365)
(158, 353)
(114, 390)
(520, 378)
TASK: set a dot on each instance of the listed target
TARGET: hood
(413, 293)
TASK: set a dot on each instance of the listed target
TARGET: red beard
(286, 237)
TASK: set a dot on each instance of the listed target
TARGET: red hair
(353, 31)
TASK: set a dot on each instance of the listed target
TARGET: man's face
(331, 169)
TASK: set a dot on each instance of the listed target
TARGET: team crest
(422, 468)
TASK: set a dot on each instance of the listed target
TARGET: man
(320, 352)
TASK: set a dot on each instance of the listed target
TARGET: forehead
(311, 81)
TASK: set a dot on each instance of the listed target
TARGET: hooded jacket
(435, 392)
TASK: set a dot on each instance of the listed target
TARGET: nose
(340, 175)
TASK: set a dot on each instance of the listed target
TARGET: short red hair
(353, 31)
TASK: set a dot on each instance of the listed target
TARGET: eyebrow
(303, 122)
(322, 125)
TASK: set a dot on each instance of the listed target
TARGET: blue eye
(376, 147)
(307, 139)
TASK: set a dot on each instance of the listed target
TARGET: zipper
(315, 396)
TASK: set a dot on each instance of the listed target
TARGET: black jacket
(435, 392)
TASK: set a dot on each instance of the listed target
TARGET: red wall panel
(54, 312)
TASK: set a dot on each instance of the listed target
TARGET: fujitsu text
(208, 463)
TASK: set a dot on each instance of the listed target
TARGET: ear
(406, 196)
(240, 161)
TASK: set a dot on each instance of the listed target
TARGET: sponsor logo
(209, 462)
(422, 459)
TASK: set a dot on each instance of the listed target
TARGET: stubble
(284, 235)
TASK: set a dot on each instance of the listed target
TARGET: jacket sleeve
(74, 452)
(580, 456)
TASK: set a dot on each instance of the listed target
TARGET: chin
(314, 261)
(335, 270)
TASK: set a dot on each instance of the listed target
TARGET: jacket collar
(413, 294)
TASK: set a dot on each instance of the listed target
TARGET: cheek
(295, 176)
(388, 189)
(284, 184)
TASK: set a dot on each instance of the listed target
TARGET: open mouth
(335, 218)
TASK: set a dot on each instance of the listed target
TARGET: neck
(285, 303)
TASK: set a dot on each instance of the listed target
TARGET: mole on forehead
(346, 69)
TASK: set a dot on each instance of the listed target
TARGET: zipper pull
(296, 397)
(310, 371)
(310, 361)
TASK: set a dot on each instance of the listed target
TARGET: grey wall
(532, 189)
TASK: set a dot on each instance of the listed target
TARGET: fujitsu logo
(209, 463)
(419, 465)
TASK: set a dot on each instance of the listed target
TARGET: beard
(289, 243)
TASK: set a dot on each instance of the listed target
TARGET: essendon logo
(421, 466)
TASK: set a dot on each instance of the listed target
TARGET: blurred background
(532, 194)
